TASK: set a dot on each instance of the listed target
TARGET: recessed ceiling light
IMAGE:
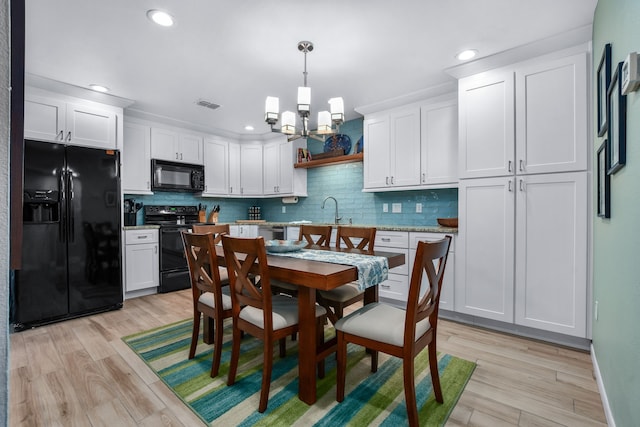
(99, 88)
(467, 54)
(248, 127)
(160, 17)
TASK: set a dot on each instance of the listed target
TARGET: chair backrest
(202, 260)
(319, 235)
(216, 230)
(367, 236)
(241, 254)
(431, 258)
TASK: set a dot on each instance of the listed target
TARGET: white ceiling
(235, 53)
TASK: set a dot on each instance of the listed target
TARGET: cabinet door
(485, 248)
(190, 149)
(376, 156)
(234, 170)
(439, 144)
(164, 144)
(551, 108)
(142, 268)
(486, 125)
(286, 160)
(216, 167)
(90, 127)
(44, 119)
(271, 168)
(136, 159)
(251, 169)
(551, 252)
(448, 282)
(404, 155)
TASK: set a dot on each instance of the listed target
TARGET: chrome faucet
(337, 218)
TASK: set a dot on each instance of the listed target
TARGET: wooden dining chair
(314, 235)
(335, 300)
(377, 327)
(257, 312)
(209, 300)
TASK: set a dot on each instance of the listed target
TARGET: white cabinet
(235, 188)
(551, 252)
(439, 144)
(76, 123)
(392, 156)
(216, 167)
(280, 177)
(524, 239)
(448, 282)
(136, 159)
(395, 290)
(250, 170)
(529, 118)
(142, 259)
(243, 230)
(176, 146)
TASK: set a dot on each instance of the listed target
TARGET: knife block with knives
(213, 215)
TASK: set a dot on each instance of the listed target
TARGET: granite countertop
(140, 227)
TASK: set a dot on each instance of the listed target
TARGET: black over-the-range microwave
(173, 176)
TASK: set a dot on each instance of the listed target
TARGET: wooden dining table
(311, 276)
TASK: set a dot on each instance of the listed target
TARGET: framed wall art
(604, 182)
(617, 122)
(604, 77)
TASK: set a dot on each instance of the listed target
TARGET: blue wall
(342, 181)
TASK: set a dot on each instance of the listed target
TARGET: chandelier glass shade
(328, 121)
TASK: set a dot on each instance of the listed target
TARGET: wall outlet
(418, 207)
(396, 207)
(284, 209)
(595, 311)
(385, 207)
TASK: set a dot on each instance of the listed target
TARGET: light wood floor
(80, 373)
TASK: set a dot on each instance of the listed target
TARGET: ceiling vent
(207, 104)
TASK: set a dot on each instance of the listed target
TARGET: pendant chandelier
(328, 121)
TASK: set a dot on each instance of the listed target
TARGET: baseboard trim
(603, 392)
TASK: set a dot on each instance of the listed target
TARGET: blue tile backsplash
(342, 181)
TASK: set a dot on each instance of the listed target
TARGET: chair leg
(341, 355)
(217, 345)
(235, 355)
(266, 374)
(319, 341)
(410, 391)
(374, 360)
(435, 377)
(194, 334)
(283, 347)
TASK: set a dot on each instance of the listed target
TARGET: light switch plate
(630, 71)
(418, 207)
(284, 209)
(385, 207)
(396, 207)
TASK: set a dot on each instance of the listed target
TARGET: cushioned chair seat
(380, 322)
(207, 299)
(341, 294)
(285, 313)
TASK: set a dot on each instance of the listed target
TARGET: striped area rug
(371, 399)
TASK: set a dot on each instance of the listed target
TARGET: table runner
(372, 270)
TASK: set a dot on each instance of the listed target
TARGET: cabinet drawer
(396, 287)
(414, 238)
(392, 239)
(133, 237)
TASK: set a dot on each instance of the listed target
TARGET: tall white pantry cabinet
(522, 246)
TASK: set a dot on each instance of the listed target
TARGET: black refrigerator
(71, 252)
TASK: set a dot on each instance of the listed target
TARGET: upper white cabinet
(251, 169)
(216, 166)
(136, 159)
(280, 177)
(176, 146)
(392, 156)
(439, 144)
(525, 119)
(82, 123)
(235, 188)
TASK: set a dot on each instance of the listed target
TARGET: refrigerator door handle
(61, 220)
(72, 225)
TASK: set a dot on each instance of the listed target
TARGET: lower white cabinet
(522, 251)
(142, 259)
(243, 230)
(395, 289)
(448, 282)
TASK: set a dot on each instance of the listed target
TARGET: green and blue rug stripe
(375, 399)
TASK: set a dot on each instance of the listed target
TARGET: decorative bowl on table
(448, 222)
(280, 246)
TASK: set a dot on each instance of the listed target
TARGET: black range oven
(174, 272)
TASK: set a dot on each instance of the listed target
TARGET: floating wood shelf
(350, 158)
